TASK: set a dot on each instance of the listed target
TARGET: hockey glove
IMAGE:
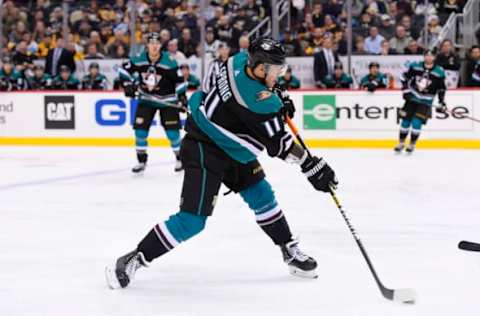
(319, 173)
(129, 88)
(371, 87)
(442, 108)
(288, 108)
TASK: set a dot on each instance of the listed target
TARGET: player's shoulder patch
(439, 71)
(168, 61)
(263, 95)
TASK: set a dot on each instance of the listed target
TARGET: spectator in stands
(324, 62)
(191, 79)
(291, 44)
(472, 68)
(65, 80)
(255, 12)
(316, 42)
(94, 80)
(359, 46)
(119, 38)
(58, 57)
(329, 24)
(318, 17)
(447, 7)
(217, 14)
(165, 37)
(413, 48)
(224, 30)
(406, 22)
(243, 43)
(23, 59)
(92, 52)
(339, 79)
(373, 41)
(401, 40)
(40, 80)
(386, 49)
(186, 44)
(211, 43)
(447, 57)
(190, 18)
(375, 79)
(334, 8)
(433, 31)
(340, 42)
(387, 27)
(10, 79)
(363, 28)
(288, 81)
(121, 52)
(175, 53)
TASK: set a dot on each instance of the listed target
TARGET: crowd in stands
(33, 30)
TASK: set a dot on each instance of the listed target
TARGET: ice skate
(399, 148)
(178, 162)
(299, 264)
(139, 168)
(123, 272)
(410, 149)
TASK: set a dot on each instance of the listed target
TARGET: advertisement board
(327, 118)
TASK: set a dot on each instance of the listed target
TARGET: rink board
(337, 119)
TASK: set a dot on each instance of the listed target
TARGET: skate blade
(111, 278)
(302, 273)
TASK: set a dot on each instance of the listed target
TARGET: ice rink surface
(67, 212)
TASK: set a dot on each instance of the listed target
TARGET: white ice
(65, 213)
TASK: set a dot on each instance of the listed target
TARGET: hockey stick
(464, 116)
(401, 295)
(469, 246)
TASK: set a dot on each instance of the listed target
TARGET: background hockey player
(420, 84)
(339, 79)
(154, 74)
(40, 80)
(191, 79)
(10, 79)
(65, 80)
(289, 81)
(94, 80)
(226, 130)
(375, 79)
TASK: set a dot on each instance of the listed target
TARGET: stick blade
(470, 246)
(405, 296)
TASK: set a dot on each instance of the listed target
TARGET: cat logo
(263, 95)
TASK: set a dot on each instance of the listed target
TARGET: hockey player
(65, 80)
(40, 80)
(226, 130)
(214, 67)
(191, 79)
(420, 84)
(375, 79)
(339, 79)
(154, 73)
(10, 79)
(94, 80)
(289, 81)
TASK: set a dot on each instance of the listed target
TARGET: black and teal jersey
(158, 78)
(42, 83)
(370, 81)
(293, 83)
(423, 84)
(192, 81)
(333, 82)
(99, 82)
(475, 76)
(71, 83)
(11, 81)
(239, 114)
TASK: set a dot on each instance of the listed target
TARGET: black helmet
(94, 65)
(153, 36)
(265, 50)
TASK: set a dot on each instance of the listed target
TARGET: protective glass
(275, 70)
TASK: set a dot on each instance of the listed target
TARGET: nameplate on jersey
(222, 84)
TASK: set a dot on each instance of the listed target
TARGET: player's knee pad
(417, 124)
(141, 141)
(173, 136)
(185, 225)
(405, 124)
